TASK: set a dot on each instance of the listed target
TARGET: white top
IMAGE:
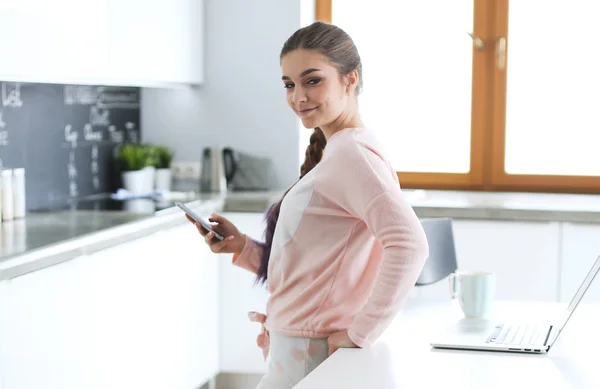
(403, 358)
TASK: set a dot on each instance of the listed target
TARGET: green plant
(136, 157)
(164, 157)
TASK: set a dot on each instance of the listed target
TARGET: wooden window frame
(488, 111)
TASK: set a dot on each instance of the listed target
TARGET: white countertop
(505, 205)
(403, 358)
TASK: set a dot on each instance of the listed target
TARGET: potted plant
(137, 164)
(164, 157)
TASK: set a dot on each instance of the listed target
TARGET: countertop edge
(66, 250)
(499, 214)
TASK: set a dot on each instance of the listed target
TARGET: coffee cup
(474, 291)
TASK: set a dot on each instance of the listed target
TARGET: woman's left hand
(263, 340)
(338, 340)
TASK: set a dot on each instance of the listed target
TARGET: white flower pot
(163, 179)
(139, 181)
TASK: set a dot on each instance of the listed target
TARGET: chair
(442, 254)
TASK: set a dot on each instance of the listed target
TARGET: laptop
(523, 337)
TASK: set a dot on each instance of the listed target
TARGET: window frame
(488, 111)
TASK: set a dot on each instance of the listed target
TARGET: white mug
(475, 292)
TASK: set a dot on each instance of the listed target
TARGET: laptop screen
(578, 296)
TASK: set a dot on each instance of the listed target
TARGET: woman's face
(315, 90)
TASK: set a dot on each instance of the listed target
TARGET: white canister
(163, 179)
(7, 195)
(19, 193)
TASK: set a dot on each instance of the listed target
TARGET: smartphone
(206, 225)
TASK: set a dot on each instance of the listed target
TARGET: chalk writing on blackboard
(72, 172)
(99, 117)
(115, 136)
(114, 97)
(95, 167)
(78, 94)
(132, 134)
(73, 189)
(72, 169)
(65, 136)
(90, 135)
(11, 95)
(71, 136)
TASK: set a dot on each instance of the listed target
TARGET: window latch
(478, 43)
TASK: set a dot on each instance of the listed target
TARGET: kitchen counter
(78, 219)
(506, 205)
(40, 230)
(46, 238)
(576, 208)
(403, 357)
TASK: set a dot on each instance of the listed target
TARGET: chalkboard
(65, 136)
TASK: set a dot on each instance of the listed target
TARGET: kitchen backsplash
(64, 136)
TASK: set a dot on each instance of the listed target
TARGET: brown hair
(338, 47)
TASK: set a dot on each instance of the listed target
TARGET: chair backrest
(442, 254)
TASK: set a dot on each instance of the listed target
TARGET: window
(467, 95)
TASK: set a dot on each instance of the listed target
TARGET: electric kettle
(218, 168)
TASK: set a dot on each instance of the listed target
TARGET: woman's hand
(234, 241)
(263, 340)
(338, 340)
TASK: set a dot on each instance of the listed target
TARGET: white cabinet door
(523, 255)
(121, 312)
(3, 340)
(42, 329)
(580, 248)
(239, 295)
(194, 309)
(103, 42)
(52, 41)
(156, 42)
(151, 313)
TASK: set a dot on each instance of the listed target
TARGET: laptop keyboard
(516, 334)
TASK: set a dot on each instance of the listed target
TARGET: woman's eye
(288, 86)
(314, 81)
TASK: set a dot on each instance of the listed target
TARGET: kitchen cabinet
(156, 42)
(2, 334)
(55, 41)
(579, 250)
(139, 314)
(153, 321)
(103, 42)
(523, 255)
(238, 295)
(42, 329)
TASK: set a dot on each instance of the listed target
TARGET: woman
(343, 247)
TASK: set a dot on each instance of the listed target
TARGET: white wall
(242, 102)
